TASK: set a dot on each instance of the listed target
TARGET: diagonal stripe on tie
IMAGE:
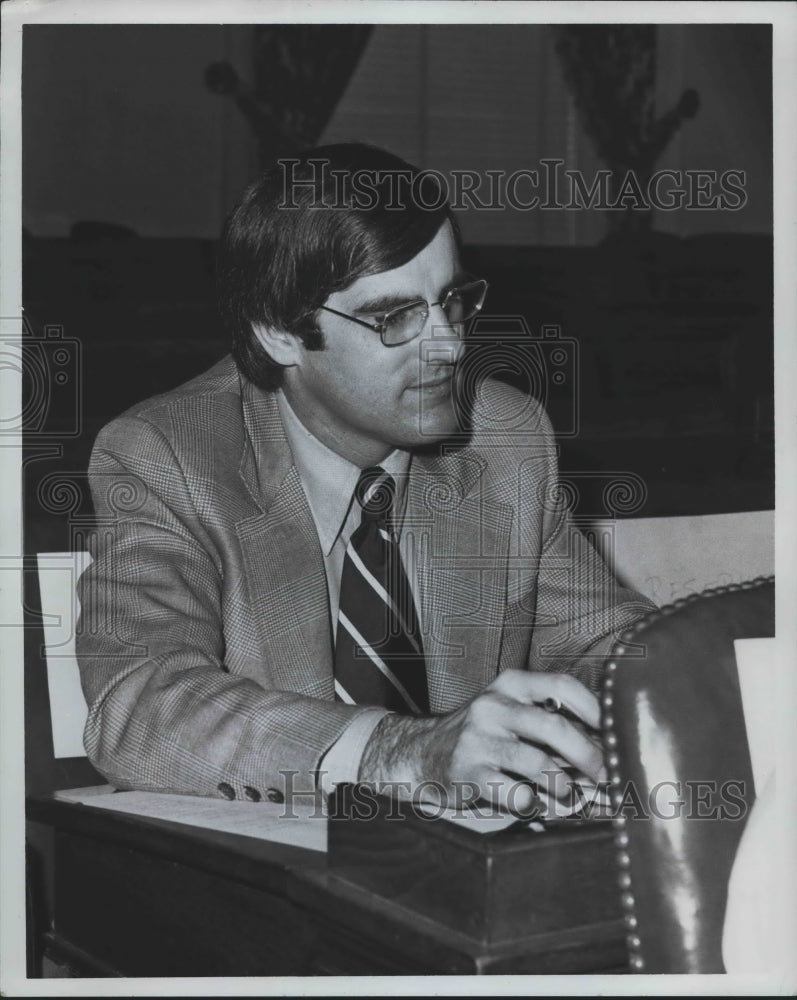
(343, 694)
(378, 662)
(378, 652)
(398, 613)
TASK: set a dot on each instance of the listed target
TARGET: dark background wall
(119, 126)
(131, 162)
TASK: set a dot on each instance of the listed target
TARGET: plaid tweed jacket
(205, 642)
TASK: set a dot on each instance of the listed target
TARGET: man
(340, 554)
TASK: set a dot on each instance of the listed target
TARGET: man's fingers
(509, 794)
(537, 766)
(532, 687)
(552, 730)
(506, 734)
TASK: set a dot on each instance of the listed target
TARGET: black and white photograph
(398, 458)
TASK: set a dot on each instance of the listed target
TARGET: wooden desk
(144, 897)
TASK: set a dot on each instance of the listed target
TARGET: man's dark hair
(310, 226)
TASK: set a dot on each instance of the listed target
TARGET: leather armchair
(680, 771)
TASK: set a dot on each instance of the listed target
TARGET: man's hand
(501, 739)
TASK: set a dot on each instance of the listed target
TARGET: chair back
(682, 782)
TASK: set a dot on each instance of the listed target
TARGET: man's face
(363, 399)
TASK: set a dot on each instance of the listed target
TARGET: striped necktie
(378, 653)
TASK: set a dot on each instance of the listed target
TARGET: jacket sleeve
(581, 608)
(165, 712)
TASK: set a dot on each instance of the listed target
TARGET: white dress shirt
(329, 481)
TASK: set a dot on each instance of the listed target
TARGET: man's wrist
(341, 762)
(397, 753)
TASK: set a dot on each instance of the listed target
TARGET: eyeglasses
(405, 323)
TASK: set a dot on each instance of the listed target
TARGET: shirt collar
(329, 479)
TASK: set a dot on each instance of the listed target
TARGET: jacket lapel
(461, 540)
(285, 574)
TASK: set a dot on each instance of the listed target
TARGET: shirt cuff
(341, 763)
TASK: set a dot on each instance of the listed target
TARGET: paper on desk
(301, 825)
(756, 666)
(484, 820)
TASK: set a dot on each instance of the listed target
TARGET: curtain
(300, 73)
(611, 72)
